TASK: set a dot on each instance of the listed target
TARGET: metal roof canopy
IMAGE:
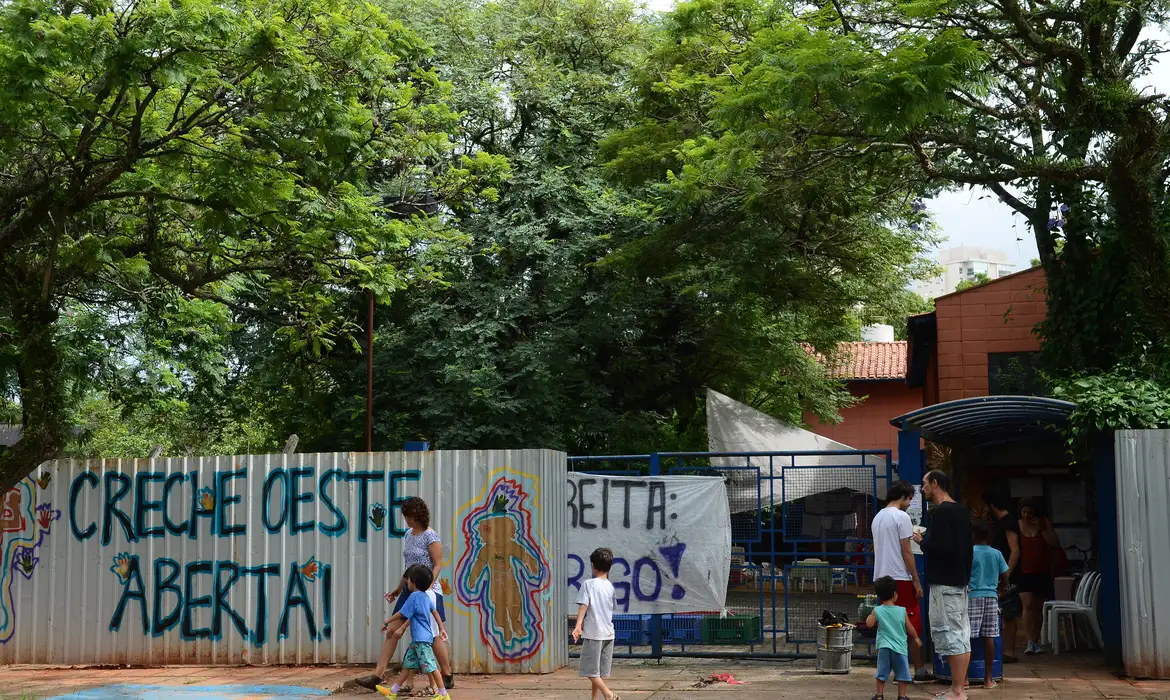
(985, 421)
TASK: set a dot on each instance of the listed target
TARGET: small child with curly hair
(893, 629)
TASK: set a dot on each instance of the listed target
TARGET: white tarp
(670, 535)
(736, 427)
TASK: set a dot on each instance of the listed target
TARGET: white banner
(670, 536)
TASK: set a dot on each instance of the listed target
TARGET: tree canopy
(171, 170)
(575, 215)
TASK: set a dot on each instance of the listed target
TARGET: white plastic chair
(815, 570)
(1080, 600)
(842, 577)
(1086, 612)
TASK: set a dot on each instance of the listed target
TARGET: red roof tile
(867, 360)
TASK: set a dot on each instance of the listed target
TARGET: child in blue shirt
(419, 609)
(988, 574)
(893, 629)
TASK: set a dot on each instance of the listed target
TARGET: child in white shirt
(595, 623)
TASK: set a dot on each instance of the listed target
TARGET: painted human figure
(505, 590)
(11, 519)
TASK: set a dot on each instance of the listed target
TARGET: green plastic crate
(731, 629)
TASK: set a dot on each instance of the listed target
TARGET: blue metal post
(911, 467)
(656, 619)
(1108, 559)
(910, 456)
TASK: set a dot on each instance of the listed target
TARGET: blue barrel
(975, 672)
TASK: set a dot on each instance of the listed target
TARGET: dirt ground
(1065, 677)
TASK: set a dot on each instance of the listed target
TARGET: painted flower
(446, 586)
(44, 479)
(378, 516)
(46, 515)
(25, 561)
(309, 569)
(121, 567)
(206, 499)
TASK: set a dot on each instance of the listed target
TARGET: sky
(977, 217)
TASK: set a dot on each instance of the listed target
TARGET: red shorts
(909, 600)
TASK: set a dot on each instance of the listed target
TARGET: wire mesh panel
(743, 496)
(801, 546)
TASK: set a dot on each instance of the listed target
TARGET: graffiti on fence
(24, 525)
(504, 570)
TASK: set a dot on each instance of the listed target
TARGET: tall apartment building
(965, 263)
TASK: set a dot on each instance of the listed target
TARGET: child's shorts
(420, 656)
(900, 663)
(984, 614)
(596, 658)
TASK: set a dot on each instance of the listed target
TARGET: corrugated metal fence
(1143, 495)
(279, 559)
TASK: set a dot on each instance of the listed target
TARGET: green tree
(1038, 102)
(896, 310)
(980, 278)
(182, 169)
(762, 221)
(595, 301)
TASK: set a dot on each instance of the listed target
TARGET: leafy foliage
(596, 300)
(575, 217)
(182, 168)
(980, 278)
(1117, 400)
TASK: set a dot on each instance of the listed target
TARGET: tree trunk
(42, 396)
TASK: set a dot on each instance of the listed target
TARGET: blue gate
(801, 545)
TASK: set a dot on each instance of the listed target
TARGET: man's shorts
(984, 616)
(908, 599)
(950, 628)
(420, 656)
(596, 658)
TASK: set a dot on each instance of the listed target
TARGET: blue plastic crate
(631, 630)
(682, 629)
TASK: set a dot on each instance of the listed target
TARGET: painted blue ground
(193, 692)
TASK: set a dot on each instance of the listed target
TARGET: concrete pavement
(1067, 677)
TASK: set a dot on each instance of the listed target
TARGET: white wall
(1143, 541)
(300, 547)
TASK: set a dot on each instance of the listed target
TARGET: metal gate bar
(773, 524)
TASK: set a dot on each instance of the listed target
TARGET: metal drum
(834, 649)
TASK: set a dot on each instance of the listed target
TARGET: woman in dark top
(1038, 542)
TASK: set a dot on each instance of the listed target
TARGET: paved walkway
(1067, 677)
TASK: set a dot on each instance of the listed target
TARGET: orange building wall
(996, 317)
(866, 426)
